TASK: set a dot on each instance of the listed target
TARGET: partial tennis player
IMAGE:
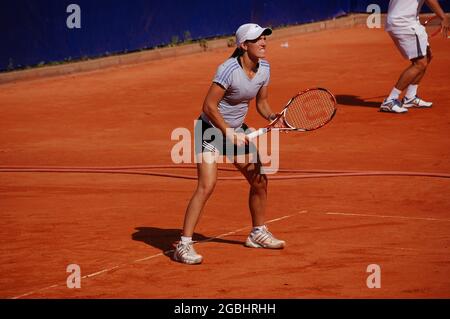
(411, 39)
(221, 130)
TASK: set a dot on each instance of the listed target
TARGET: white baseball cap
(250, 31)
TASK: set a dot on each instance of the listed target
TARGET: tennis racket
(306, 111)
(433, 26)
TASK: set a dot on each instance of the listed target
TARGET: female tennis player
(220, 132)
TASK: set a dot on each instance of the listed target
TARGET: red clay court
(119, 227)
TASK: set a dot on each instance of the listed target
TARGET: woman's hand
(239, 139)
(280, 123)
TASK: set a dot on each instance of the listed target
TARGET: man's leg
(413, 74)
(411, 48)
(411, 99)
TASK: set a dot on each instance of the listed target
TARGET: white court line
(33, 292)
(167, 252)
(386, 216)
(363, 246)
(101, 271)
(390, 216)
(248, 227)
(154, 256)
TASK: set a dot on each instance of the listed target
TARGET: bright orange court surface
(118, 228)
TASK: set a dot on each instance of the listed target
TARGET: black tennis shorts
(210, 139)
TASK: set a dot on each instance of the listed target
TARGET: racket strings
(310, 110)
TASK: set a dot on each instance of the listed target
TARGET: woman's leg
(207, 177)
(260, 237)
(258, 190)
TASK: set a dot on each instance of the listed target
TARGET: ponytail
(238, 52)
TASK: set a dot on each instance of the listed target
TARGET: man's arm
(436, 8)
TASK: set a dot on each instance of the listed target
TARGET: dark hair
(238, 52)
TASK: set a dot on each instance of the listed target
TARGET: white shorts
(411, 46)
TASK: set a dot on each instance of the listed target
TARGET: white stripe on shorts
(209, 147)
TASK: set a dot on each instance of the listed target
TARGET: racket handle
(257, 133)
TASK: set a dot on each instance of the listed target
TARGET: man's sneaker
(263, 239)
(186, 254)
(416, 102)
(393, 106)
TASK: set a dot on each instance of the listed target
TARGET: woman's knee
(206, 188)
(259, 183)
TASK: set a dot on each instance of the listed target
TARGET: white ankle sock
(186, 240)
(411, 91)
(395, 94)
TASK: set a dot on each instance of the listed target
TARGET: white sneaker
(416, 102)
(263, 239)
(392, 106)
(186, 254)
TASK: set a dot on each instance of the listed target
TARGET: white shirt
(239, 90)
(403, 16)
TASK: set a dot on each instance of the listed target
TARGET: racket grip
(257, 133)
